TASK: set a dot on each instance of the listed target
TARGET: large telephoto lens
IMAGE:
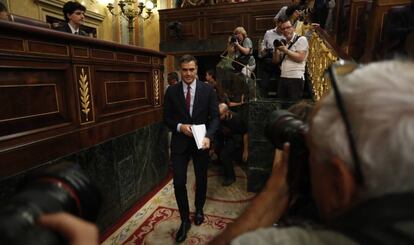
(283, 126)
(61, 187)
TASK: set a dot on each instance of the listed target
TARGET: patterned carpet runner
(157, 221)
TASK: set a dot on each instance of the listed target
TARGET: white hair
(379, 100)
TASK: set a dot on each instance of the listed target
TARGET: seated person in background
(292, 59)
(4, 13)
(365, 197)
(266, 50)
(172, 78)
(74, 14)
(294, 14)
(232, 142)
(282, 11)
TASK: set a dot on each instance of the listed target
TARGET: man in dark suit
(74, 14)
(190, 102)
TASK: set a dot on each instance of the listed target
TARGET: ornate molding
(156, 82)
(319, 59)
(85, 95)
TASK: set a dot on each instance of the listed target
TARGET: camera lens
(283, 126)
(61, 187)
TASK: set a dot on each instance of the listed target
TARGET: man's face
(188, 72)
(240, 36)
(209, 77)
(4, 15)
(171, 81)
(287, 30)
(77, 18)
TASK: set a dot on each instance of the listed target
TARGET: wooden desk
(61, 93)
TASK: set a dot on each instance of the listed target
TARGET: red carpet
(157, 221)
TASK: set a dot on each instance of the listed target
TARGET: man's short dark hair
(3, 7)
(187, 58)
(291, 9)
(282, 19)
(70, 7)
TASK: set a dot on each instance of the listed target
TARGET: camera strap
(290, 45)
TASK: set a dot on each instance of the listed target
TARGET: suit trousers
(180, 165)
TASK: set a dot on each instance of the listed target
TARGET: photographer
(292, 59)
(243, 50)
(266, 50)
(363, 189)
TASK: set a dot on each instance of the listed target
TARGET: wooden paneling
(60, 93)
(204, 29)
(357, 28)
(375, 26)
(11, 44)
(45, 48)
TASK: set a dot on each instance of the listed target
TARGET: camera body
(233, 39)
(283, 126)
(59, 188)
(279, 42)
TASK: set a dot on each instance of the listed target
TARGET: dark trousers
(290, 88)
(180, 164)
(229, 150)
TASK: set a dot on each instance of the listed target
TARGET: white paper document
(199, 132)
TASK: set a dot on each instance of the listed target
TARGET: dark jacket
(65, 28)
(205, 111)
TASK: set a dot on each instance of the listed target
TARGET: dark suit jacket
(205, 111)
(65, 28)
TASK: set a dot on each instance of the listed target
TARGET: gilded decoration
(84, 94)
(156, 80)
(319, 59)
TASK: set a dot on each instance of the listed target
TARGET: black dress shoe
(182, 232)
(199, 218)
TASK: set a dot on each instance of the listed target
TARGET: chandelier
(127, 10)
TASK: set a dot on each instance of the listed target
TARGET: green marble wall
(124, 169)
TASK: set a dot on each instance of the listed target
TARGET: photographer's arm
(74, 229)
(243, 50)
(296, 56)
(266, 208)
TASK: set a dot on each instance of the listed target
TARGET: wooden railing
(322, 53)
(61, 93)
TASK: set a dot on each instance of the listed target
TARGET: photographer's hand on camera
(74, 229)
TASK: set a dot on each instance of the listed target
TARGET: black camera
(279, 42)
(283, 126)
(61, 187)
(233, 39)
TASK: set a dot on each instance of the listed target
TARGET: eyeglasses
(342, 68)
(285, 28)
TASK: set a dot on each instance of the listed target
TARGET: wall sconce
(143, 11)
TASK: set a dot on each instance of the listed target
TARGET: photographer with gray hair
(361, 161)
